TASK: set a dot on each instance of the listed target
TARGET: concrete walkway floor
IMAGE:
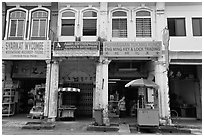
(13, 126)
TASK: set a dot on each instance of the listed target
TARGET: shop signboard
(79, 48)
(132, 49)
(26, 49)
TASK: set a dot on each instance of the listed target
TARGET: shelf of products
(38, 107)
(8, 103)
(113, 105)
(39, 95)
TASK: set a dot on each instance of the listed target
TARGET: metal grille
(143, 27)
(119, 27)
(85, 99)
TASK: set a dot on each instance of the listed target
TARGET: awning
(141, 83)
(186, 62)
(68, 89)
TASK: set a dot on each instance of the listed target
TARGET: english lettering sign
(26, 49)
(132, 49)
(76, 49)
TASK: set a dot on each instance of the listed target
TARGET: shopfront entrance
(78, 73)
(120, 73)
(129, 61)
(184, 90)
(23, 79)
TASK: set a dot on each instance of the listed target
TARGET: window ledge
(89, 38)
(144, 39)
(119, 39)
(67, 38)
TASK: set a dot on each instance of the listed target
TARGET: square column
(53, 96)
(47, 88)
(101, 91)
(163, 95)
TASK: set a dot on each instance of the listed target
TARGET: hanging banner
(132, 49)
(26, 49)
(76, 49)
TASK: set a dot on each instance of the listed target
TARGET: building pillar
(53, 96)
(198, 93)
(163, 92)
(105, 91)
(101, 91)
(47, 87)
(103, 20)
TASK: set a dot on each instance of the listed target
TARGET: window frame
(8, 22)
(118, 17)
(143, 17)
(32, 21)
(67, 38)
(152, 12)
(87, 9)
(68, 18)
(89, 18)
(16, 35)
(185, 23)
(39, 8)
(200, 18)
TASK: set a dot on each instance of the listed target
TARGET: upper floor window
(143, 24)
(119, 24)
(39, 24)
(176, 26)
(68, 24)
(197, 26)
(89, 23)
(17, 21)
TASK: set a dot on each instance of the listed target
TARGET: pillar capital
(48, 61)
(106, 61)
(56, 61)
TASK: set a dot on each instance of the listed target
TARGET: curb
(38, 125)
(102, 128)
(178, 129)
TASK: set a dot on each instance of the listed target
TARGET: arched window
(119, 24)
(17, 21)
(89, 23)
(39, 24)
(143, 24)
(68, 23)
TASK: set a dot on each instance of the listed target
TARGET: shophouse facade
(185, 53)
(26, 54)
(98, 47)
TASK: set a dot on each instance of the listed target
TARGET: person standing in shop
(121, 107)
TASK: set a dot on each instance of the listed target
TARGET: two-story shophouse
(98, 47)
(26, 54)
(184, 21)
